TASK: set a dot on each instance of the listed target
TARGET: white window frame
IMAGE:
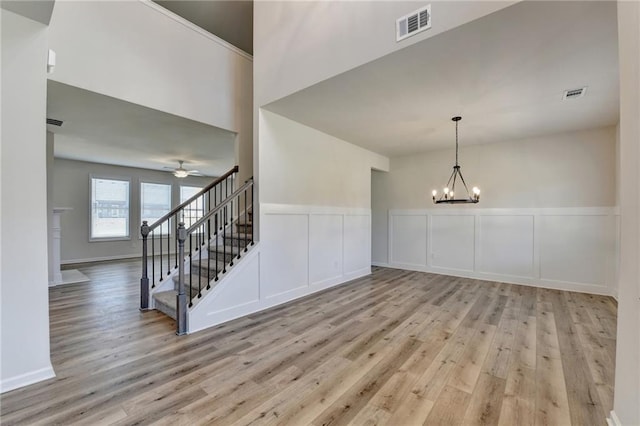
(171, 206)
(109, 238)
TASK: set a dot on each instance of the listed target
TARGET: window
(155, 202)
(193, 211)
(109, 208)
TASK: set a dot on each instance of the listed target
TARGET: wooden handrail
(176, 209)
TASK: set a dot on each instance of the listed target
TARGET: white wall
(71, 188)
(25, 311)
(576, 169)
(300, 165)
(315, 220)
(141, 53)
(298, 44)
(627, 383)
(566, 248)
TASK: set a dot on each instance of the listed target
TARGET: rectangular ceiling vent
(574, 93)
(413, 23)
(54, 122)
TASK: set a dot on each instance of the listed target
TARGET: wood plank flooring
(394, 348)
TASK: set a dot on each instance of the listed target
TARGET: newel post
(144, 281)
(181, 298)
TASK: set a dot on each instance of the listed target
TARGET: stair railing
(163, 233)
(219, 222)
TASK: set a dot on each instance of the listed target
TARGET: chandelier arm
(451, 177)
(464, 183)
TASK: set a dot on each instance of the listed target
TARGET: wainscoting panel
(357, 243)
(285, 253)
(409, 242)
(325, 247)
(452, 241)
(301, 250)
(565, 248)
(506, 245)
(573, 248)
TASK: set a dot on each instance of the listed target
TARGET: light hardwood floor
(395, 348)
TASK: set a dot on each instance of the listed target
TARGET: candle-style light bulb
(434, 192)
(451, 194)
(476, 190)
(445, 190)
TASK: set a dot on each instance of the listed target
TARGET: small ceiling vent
(413, 23)
(574, 93)
(54, 122)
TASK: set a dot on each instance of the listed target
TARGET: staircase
(187, 252)
(206, 270)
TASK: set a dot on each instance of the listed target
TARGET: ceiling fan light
(180, 173)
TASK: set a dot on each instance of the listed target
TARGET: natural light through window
(193, 211)
(155, 202)
(109, 208)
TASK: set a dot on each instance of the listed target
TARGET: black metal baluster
(246, 214)
(191, 269)
(161, 269)
(224, 243)
(168, 251)
(231, 231)
(200, 266)
(153, 260)
(245, 227)
(217, 236)
(252, 212)
(175, 236)
(209, 254)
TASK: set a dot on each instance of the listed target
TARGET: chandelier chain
(456, 143)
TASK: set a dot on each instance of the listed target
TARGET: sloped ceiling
(231, 20)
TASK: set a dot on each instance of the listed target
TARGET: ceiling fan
(181, 172)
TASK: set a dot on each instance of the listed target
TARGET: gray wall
(71, 188)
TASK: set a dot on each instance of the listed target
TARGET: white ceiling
(504, 73)
(231, 20)
(106, 130)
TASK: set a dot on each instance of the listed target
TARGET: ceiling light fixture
(180, 173)
(449, 190)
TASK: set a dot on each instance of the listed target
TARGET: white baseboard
(26, 379)
(528, 281)
(613, 419)
(100, 259)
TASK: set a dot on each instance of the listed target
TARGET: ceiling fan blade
(169, 168)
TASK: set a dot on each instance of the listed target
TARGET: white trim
(606, 287)
(100, 259)
(550, 211)
(613, 419)
(26, 379)
(197, 29)
(266, 208)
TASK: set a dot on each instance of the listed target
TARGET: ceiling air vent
(54, 122)
(413, 23)
(574, 93)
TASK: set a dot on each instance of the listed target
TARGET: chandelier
(448, 193)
